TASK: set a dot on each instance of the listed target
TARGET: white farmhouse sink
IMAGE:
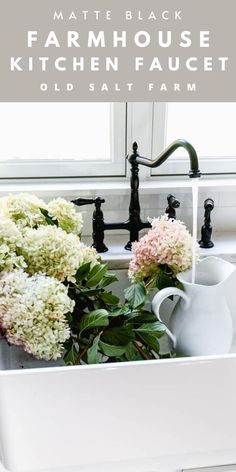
(151, 416)
(180, 412)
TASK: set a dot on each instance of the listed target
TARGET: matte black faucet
(194, 167)
(134, 224)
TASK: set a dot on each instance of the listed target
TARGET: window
(82, 140)
(209, 127)
(62, 139)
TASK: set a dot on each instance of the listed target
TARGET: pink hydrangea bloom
(167, 243)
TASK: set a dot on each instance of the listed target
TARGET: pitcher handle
(160, 297)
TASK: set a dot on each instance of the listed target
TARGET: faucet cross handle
(88, 201)
(98, 221)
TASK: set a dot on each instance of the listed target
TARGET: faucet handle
(88, 201)
(98, 221)
(173, 203)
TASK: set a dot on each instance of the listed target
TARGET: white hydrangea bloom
(52, 251)
(64, 212)
(9, 233)
(32, 313)
(89, 254)
(23, 209)
(10, 241)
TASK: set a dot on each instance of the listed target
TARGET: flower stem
(84, 351)
(150, 283)
(140, 350)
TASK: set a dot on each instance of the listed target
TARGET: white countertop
(118, 258)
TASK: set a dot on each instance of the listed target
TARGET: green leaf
(132, 354)
(164, 280)
(156, 329)
(150, 333)
(90, 293)
(120, 358)
(94, 319)
(92, 353)
(49, 220)
(71, 356)
(141, 317)
(109, 298)
(119, 311)
(150, 340)
(108, 279)
(96, 275)
(82, 272)
(136, 295)
(110, 350)
(118, 336)
(69, 317)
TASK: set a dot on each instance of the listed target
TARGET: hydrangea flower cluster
(39, 250)
(32, 313)
(54, 299)
(168, 243)
(25, 211)
(10, 242)
(64, 212)
(52, 251)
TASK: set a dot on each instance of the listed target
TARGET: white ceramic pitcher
(201, 322)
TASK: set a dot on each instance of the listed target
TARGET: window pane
(81, 131)
(209, 127)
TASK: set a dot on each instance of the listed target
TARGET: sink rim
(121, 365)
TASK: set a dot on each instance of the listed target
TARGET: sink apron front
(125, 413)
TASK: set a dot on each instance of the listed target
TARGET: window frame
(179, 167)
(12, 169)
(144, 122)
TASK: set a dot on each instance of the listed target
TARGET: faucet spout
(194, 166)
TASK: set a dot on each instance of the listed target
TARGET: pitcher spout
(210, 271)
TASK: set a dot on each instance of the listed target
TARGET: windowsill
(114, 185)
(118, 258)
